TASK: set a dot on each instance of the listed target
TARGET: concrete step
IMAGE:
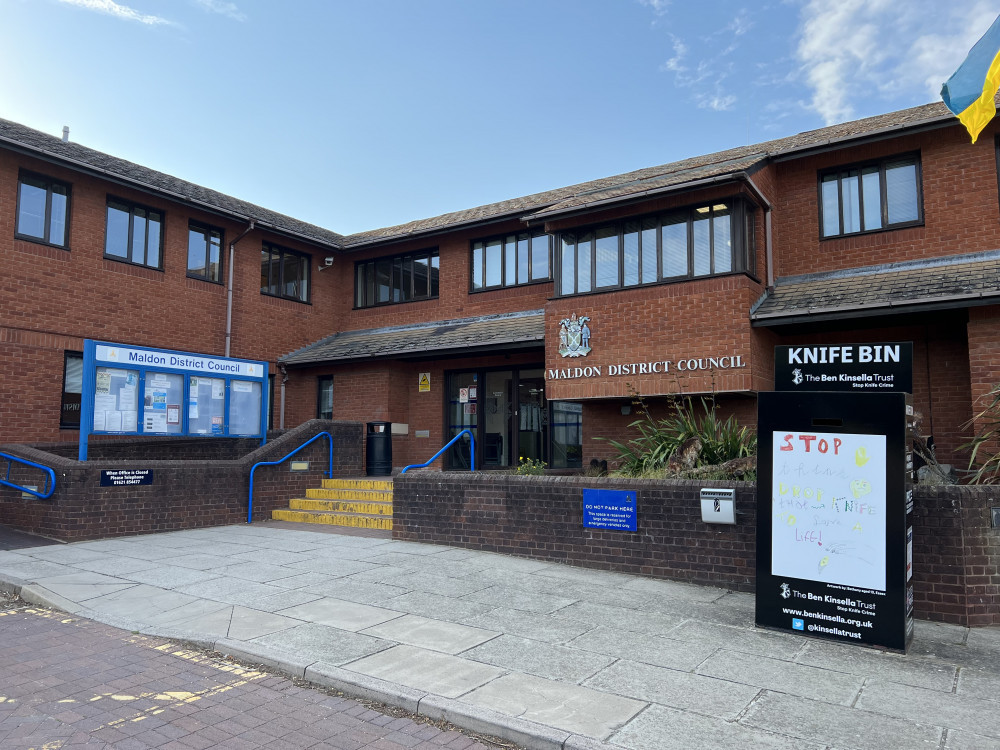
(377, 496)
(357, 484)
(357, 521)
(381, 508)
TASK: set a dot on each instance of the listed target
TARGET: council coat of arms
(574, 336)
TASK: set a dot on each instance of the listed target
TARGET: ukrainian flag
(969, 92)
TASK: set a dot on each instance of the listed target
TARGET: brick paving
(72, 683)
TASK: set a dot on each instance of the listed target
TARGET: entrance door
(531, 416)
(462, 413)
(497, 413)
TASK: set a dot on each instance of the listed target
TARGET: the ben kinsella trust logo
(574, 336)
(797, 376)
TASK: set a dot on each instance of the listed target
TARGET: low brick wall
(956, 554)
(185, 493)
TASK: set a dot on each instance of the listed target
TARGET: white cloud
(659, 6)
(717, 102)
(112, 8)
(855, 50)
(222, 8)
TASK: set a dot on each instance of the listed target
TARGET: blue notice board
(609, 509)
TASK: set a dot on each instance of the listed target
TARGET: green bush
(530, 467)
(984, 458)
(648, 454)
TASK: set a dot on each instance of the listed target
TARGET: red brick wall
(961, 207)
(51, 299)
(984, 364)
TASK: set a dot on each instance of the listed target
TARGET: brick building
(532, 321)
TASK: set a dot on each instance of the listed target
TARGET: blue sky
(364, 114)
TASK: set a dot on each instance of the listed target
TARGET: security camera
(328, 260)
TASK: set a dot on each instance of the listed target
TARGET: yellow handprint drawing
(861, 456)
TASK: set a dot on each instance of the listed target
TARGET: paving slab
(653, 623)
(641, 647)
(663, 728)
(84, 585)
(230, 591)
(784, 677)
(866, 662)
(980, 683)
(537, 658)
(284, 600)
(168, 576)
(959, 712)
(192, 611)
(312, 642)
(32, 569)
(340, 614)
(668, 687)
(65, 554)
(969, 741)
(556, 704)
(434, 605)
(842, 726)
(755, 641)
(356, 591)
(435, 635)
(505, 596)
(115, 565)
(139, 601)
(546, 628)
(442, 674)
(331, 564)
(437, 583)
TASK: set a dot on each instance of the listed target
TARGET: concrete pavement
(543, 654)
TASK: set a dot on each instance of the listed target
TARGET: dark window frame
(131, 207)
(206, 229)
(741, 213)
(48, 184)
(393, 268)
(63, 425)
(279, 282)
(483, 242)
(844, 171)
(323, 381)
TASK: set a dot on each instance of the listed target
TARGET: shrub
(530, 467)
(984, 458)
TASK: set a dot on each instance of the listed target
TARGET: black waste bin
(378, 449)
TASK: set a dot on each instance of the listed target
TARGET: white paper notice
(130, 421)
(127, 397)
(105, 402)
(828, 502)
(99, 420)
(113, 421)
(218, 389)
(155, 421)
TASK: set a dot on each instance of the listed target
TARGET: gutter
(229, 285)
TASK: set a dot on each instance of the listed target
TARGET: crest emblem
(785, 592)
(574, 336)
(796, 376)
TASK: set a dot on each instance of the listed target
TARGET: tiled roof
(951, 281)
(675, 176)
(464, 334)
(76, 155)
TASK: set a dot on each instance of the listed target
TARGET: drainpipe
(284, 379)
(229, 290)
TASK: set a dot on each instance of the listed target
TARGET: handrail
(472, 453)
(329, 469)
(50, 481)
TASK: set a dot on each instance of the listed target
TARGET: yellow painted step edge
(371, 495)
(341, 506)
(333, 519)
(357, 484)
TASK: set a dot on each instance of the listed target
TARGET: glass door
(462, 413)
(532, 416)
(498, 410)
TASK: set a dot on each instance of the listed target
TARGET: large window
(401, 278)
(134, 234)
(284, 273)
(511, 260)
(42, 209)
(702, 241)
(871, 197)
(204, 252)
(69, 411)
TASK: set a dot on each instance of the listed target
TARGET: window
(42, 209)
(69, 412)
(870, 198)
(511, 260)
(401, 278)
(700, 241)
(324, 397)
(134, 234)
(204, 252)
(284, 273)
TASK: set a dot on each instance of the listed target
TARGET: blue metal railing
(50, 477)
(314, 438)
(472, 453)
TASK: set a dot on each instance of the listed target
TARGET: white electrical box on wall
(718, 506)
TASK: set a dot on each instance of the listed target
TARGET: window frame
(323, 382)
(484, 242)
(49, 182)
(741, 214)
(282, 252)
(67, 355)
(206, 229)
(393, 268)
(842, 171)
(132, 207)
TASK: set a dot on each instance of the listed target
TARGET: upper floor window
(871, 197)
(134, 233)
(401, 278)
(284, 273)
(204, 252)
(42, 209)
(511, 260)
(700, 241)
